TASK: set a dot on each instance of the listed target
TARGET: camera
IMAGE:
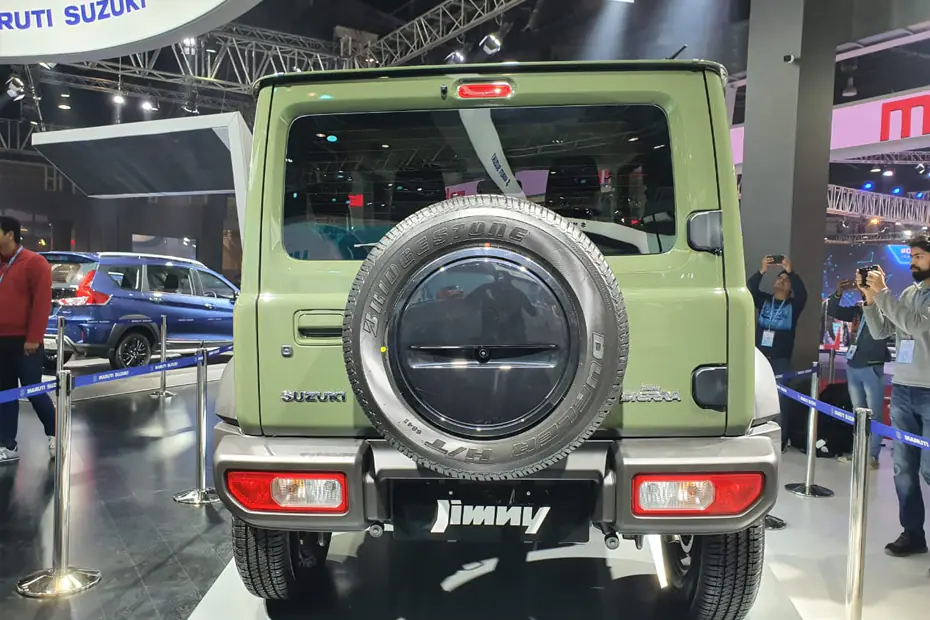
(864, 273)
(789, 59)
(778, 259)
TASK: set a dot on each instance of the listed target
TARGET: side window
(126, 277)
(164, 279)
(214, 286)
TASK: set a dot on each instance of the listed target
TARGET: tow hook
(376, 530)
(612, 541)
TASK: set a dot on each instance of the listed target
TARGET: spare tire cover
(485, 337)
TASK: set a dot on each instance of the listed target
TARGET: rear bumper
(371, 465)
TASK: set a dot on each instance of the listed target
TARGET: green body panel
(686, 309)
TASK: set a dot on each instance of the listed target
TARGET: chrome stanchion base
(50, 583)
(815, 490)
(159, 395)
(774, 523)
(197, 497)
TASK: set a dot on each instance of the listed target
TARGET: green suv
(497, 303)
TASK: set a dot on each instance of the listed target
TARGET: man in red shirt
(25, 300)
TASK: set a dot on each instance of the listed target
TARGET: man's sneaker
(905, 546)
(9, 455)
(52, 447)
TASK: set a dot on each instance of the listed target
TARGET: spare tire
(511, 373)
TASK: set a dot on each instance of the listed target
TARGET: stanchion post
(858, 515)
(62, 579)
(202, 494)
(59, 344)
(163, 391)
(831, 368)
(808, 488)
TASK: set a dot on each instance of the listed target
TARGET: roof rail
(176, 259)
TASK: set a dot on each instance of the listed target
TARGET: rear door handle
(209, 306)
(321, 327)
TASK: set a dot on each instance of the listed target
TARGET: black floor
(130, 456)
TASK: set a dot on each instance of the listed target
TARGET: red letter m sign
(906, 107)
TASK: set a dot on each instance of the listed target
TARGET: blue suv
(114, 301)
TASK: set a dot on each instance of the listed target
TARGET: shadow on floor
(423, 581)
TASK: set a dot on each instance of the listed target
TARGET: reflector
(263, 491)
(696, 495)
(485, 90)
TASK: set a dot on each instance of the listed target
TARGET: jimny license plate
(441, 510)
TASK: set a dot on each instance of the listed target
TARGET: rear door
(600, 148)
(171, 292)
(219, 297)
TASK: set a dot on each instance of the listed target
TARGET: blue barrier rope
(45, 387)
(795, 375)
(844, 416)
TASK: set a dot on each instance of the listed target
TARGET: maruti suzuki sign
(870, 127)
(68, 31)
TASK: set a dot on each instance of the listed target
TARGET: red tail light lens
(85, 295)
(699, 495)
(485, 90)
(263, 491)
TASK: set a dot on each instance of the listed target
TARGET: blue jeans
(910, 411)
(867, 389)
(16, 370)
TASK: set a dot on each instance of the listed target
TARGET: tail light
(263, 491)
(85, 294)
(699, 495)
(485, 90)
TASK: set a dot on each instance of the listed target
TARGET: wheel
(50, 363)
(277, 565)
(715, 577)
(133, 349)
(530, 355)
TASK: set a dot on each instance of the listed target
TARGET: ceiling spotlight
(148, 106)
(456, 58)
(189, 45)
(633, 139)
(385, 146)
(921, 168)
(64, 106)
(888, 173)
(491, 44)
(850, 90)
(118, 99)
(875, 169)
(15, 88)
(191, 106)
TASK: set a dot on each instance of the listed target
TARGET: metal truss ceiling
(444, 23)
(888, 159)
(229, 59)
(857, 203)
(14, 135)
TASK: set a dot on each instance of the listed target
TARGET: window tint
(125, 277)
(351, 177)
(164, 279)
(69, 273)
(212, 284)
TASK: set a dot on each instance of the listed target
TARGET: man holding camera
(777, 322)
(908, 319)
(865, 361)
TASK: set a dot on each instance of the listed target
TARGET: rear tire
(715, 577)
(278, 565)
(133, 349)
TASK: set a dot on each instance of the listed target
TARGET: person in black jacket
(865, 362)
(777, 320)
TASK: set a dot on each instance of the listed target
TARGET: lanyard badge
(9, 265)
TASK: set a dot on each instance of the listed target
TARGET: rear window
(67, 273)
(351, 177)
